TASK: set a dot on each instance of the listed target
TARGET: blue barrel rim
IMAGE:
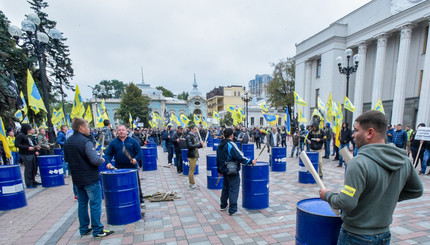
(119, 171)
(211, 155)
(46, 156)
(256, 165)
(321, 215)
(9, 166)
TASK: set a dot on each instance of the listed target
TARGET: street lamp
(347, 70)
(246, 98)
(38, 40)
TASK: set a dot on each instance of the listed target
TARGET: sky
(224, 42)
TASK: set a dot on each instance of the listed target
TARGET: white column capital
(308, 63)
(382, 39)
(406, 31)
(362, 47)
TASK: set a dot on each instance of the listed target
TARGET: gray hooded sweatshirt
(376, 179)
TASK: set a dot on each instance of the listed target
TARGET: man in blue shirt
(400, 137)
(116, 150)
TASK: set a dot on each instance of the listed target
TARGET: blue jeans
(425, 161)
(90, 193)
(163, 144)
(230, 191)
(302, 146)
(15, 156)
(340, 156)
(170, 150)
(348, 238)
(294, 149)
(327, 148)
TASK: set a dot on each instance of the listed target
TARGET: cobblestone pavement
(51, 214)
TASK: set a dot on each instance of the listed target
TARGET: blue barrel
(210, 141)
(58, 151)
(151, 139)
(102, 168)
(316, 223)
(279, 159)
(216, 144)
(12, 194)
(248, 150)
(255, 186)
(152, 144)
(175, 161)
(212, 172)
(149, 159)
(186, 164)
(51, 170)
(304, 176)
(121, 191)
(239, 145)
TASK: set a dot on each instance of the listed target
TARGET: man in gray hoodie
(376, 179)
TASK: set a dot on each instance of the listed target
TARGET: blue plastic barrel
(210, 141)
(316, 223)
(51, 170)
(102, 168)
(58, 151)
(248, 150)
(151, 139)
(149, 159)
(216, 144)
(12, 194)
(186, 164)
(212, 172)
(121, 191)
(279, 159)
(305, 177)
(152, 144)
(255, 186)
(239, 145)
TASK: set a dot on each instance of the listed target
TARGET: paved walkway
(51, 214)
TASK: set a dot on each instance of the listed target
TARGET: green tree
(226, 120)
(281, 88)
(134, 102)
(183, 96)
(165, 92)
(113, 88)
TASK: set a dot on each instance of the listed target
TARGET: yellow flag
(103, 105)
(302, 117)
(335, 109)
(347, 104)
(34, 99)
(99, 119)
(88, 115)
(263, 106)
(78, 106)
(329, 110)
(231, 108)
(379, 106)
(4, 140)
(321, 105)
(298, 100)
(215, 115)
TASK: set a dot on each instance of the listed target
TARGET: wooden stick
(217, 181)
(261, 151)
(311, 169)
(346, 154)
(418, 154)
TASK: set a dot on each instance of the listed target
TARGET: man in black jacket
(193, 143)
(179, 140)
(137, 135)
(228, 151)
(345, 136)
(84, 165)
(316, 141)
(28, 152)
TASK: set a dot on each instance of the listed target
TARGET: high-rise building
(258, 86)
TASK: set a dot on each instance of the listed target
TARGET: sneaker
(338, 166)
(142, 205)
(104, 233)
(87, 233)
(194, 186)
(37, 183)
(223, 209)
(235, 214)
(420, 173)
(31, 186)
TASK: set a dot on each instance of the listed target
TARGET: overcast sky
(224, 42)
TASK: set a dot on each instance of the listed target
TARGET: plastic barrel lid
(46, 156)
(316, 206)
(118, 171)
(211, 155)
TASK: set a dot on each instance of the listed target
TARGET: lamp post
(38, 40)
(246, 98)
(347, 70)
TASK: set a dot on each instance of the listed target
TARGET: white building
(390, 37)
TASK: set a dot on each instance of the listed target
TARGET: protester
(193, 143)
(400, 137)
(273, 139)
(296, 139)
(107, 133)
(13, 149)
(127, 154)
(28, 153)
(84, 165)
(42, 141)
(315, 139)
(228, 151)
(345, 136)
(328, 132)
(376, 179)
(179, 140)
(169, 145)
(257, 137)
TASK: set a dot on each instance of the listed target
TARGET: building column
(424, 105)
(379, 68)
(402, 70)
(308, 88)
(359, 81)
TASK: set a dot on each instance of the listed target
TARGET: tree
(226, 120)
(165, 92)
(281, 88)
(183, 96)
(135, 103)
(110, 85)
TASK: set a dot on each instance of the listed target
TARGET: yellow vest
(11, 143)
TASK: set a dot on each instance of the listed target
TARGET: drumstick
(418, 154)
(311, 169)
(217, 181)
(261, 152)
(346, 154)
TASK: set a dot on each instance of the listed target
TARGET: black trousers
(178, 161)
(258, 143)
(30, 170)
